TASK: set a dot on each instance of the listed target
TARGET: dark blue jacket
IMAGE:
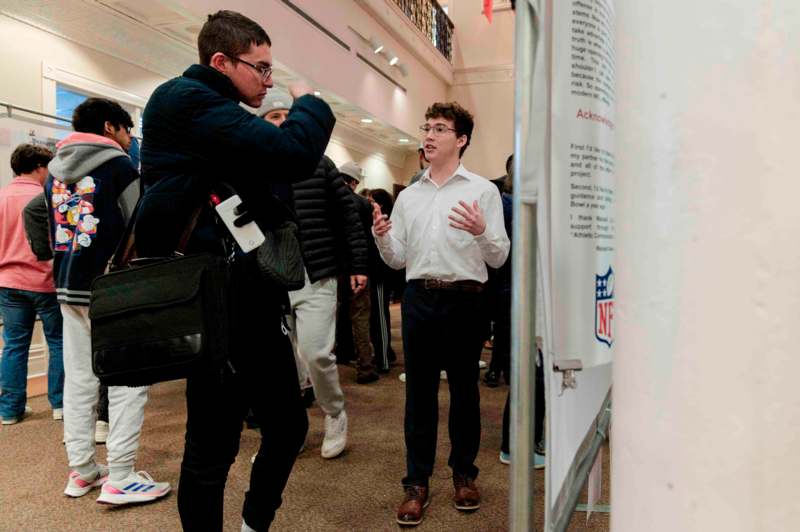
(504, 272)
(195, 135)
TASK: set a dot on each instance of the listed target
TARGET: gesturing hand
(299, 89)
(380, 223)
(469, 219)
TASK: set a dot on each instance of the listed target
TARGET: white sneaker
(16, 419)
(100, 432)
(79, 485)
(442, 376)
(335, 435)
(58, 414)
(482, 364)
(138, 487)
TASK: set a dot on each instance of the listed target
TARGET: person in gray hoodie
(91, 193)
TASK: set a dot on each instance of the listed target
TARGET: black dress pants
(501, 346)
(538, 414)
(442, 329)
(380, 324)
(261, 375)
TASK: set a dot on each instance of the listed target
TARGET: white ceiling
(160, 36)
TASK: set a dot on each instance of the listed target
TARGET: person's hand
(358, 283)
(299, 89)
(243, 215)
(469, 219)
(380, 223)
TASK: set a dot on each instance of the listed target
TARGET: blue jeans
(19, 309)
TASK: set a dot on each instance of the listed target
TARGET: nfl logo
(604, 307)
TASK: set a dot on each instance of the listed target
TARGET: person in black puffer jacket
(333, 243)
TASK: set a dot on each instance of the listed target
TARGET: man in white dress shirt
(444, 230)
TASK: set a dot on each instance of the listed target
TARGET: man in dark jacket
(359, 304)
(196, 135)
(331, 235)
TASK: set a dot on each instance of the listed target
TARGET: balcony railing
(429, 17)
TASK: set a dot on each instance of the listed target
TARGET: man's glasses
(438, 129)
(264, 71)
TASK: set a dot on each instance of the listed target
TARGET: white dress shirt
(422, 240)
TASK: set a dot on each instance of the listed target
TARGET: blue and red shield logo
(604, 307)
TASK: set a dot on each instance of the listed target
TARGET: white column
(706, 430)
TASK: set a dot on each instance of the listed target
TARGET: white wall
(23, 52)
(706, 432)
(24, 48)
(483, 59)
(378, 171)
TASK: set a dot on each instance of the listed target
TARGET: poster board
(576, 226)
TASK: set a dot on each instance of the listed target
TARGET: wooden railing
(429, 17)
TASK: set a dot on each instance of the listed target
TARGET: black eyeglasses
(439, 129)
(264, 71)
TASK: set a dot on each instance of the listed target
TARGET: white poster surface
(582, 181)
(576, 227)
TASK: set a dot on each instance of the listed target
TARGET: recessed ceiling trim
(168, 34)
(316, 24)
(379, 71)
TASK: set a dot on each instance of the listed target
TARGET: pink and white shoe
(138, 487)
(79, 485)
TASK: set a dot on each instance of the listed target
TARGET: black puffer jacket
(364, 209)
(331, 234)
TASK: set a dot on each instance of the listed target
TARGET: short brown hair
(231, 33)
(28, 157)
(462, 119)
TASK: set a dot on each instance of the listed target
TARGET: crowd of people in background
(441, 246)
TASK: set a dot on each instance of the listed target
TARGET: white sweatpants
(81, 392)
(313, 334)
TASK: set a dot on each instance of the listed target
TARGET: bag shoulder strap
(126, 248)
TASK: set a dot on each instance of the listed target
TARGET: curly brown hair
(462, 119)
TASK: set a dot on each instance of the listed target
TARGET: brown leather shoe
(466, 498)
(413, 506)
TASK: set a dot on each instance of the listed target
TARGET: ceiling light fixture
(316, 93)
(403, 140)
(393, 61)
(375, 45)
(366, 120)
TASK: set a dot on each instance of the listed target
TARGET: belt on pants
(456, 286)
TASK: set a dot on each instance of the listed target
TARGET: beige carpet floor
(358, 491)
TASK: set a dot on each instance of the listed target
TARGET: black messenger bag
(155, 320)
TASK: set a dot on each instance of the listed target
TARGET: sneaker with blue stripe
(79, 485)
(138, 487)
